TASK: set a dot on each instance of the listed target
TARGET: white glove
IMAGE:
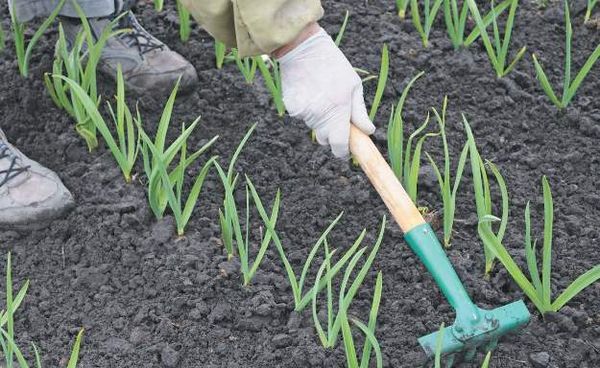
(321, 88)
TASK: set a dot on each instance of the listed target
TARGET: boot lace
(138, 36)
(14, 169)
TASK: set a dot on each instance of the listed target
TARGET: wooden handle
(384, 180)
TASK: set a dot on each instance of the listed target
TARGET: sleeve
(255, 27)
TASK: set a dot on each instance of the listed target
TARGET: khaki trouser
(26, 10)
(255, 26)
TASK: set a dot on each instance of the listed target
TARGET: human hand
(321, 87)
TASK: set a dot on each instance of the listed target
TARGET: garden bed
(149, 299)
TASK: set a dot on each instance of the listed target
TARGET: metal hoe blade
(473, 327)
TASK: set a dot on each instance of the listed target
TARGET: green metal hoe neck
(424, 243)
(473, 326)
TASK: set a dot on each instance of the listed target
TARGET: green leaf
(486, 362)
(585, 70)
(505, 203)
(75, 351)
(267, 237)
(195, 192)
(530, 254)
(439, 342)
(491, 15)
(382, 81)
(576, 287)
(545, 83)
(323, 337)
(272, 81)
(502, 254)
(413, 178)
(349, 346)
(336, 267)
(23, 58)
(347, 298)
(368, 346)
(340, 35)
(547, 250)
(371, 340)
(395, 133)
(185, 27)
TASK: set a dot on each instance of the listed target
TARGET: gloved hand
(321, 88)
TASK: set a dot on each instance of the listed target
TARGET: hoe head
(481, 329)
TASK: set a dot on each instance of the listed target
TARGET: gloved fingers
(339, 138)
(360, 117)
(322, 135)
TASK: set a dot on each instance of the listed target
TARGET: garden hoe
(473, 327)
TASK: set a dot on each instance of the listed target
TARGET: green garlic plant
(448, 191)
(221, 55)
(22, 50)
(159, 4)
(329, 335)
(247, 66)
(230, 211)
(402, 5)
(371, 344)
(342, 31)
(2, 37)
(456, 21)
(590, 7)
(405, 161)
(8, 344)
(126, 146)
(569, 87)
(229, 180)
(269, 69)
(185, 25)
(498, 51)
(165, 184)
(384, 70)
(78, 63)
(538, 290)
(483, 196)
(169, 185)
(429, 13)
(298, 284)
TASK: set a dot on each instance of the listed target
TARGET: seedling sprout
(539, 289)
(569, 87)
(226, 219)
(371, 344)
(185, 25)
(381, 83)
(456, 21)
(22, 50)
(498, 52)
(482, 192)
(402, 5)
(346, 295)
(591, 4)
(272, 78)
(448, 193)
(405, 161)
(429, 13)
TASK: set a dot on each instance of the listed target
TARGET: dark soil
(147, 299)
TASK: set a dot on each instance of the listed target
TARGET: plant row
(405, 159)
(497, 42)
(13, 355)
